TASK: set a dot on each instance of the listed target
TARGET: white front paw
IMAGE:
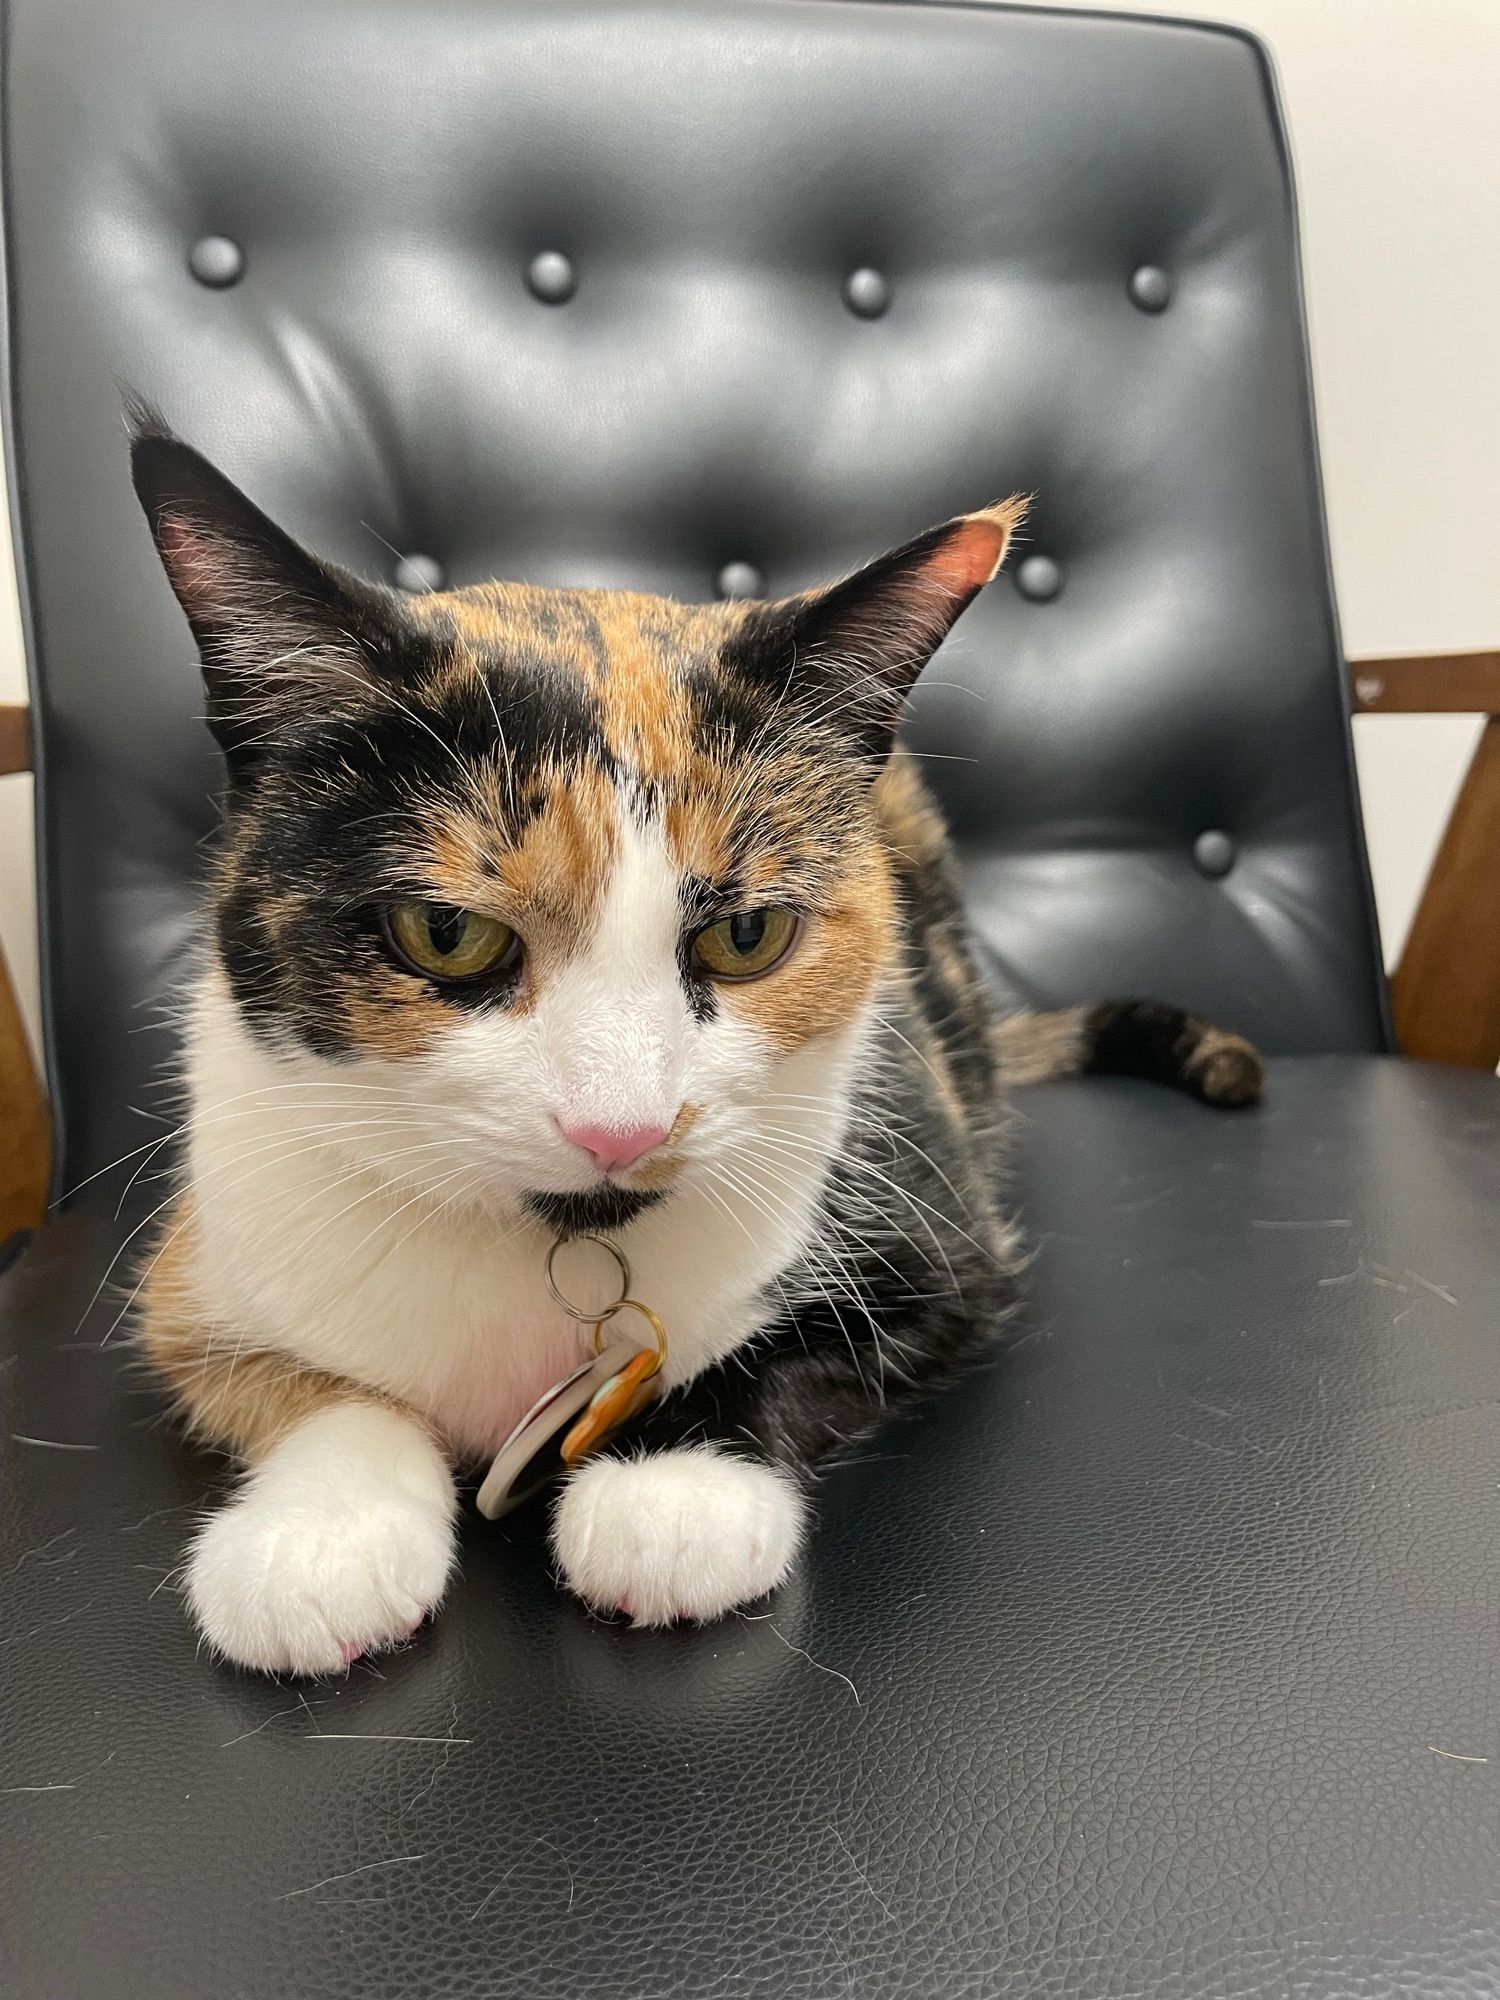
(340, 1543)
(677, 1534)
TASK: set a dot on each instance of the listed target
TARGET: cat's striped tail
(1131, 1038)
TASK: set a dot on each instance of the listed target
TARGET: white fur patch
(339, 1542)
(690, 1533)
(365, 1217)
(614, 1026)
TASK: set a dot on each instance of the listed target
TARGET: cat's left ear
(280, 632)
(857, 647)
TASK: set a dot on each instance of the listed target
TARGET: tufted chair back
(697, 295)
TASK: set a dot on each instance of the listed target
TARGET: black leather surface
(1127, 1669)
(1155, 1632)
(380, 373)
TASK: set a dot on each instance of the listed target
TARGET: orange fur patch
(549, 884)
(390, 1014)
(833, 967)
(968, 558)
(628, 649)
(909, 821)
(243, 1398)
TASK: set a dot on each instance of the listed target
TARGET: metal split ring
(595, 1316)
(634, 1305)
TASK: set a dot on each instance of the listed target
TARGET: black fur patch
(1136, 1038)
(594, 1212)
(1164, 1044)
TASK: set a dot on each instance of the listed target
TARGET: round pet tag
(531, 1455)
(613, 1403)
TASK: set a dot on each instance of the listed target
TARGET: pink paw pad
(355, 1649)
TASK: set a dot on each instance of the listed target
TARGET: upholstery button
(1213, 853)
(1150, 288)
(740, 579)
(417, 574)
(1039, 578)
(867, 293)
(216, 261)
(551, 278)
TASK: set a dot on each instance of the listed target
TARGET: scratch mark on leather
(1322, 1222)
(1146, 1201)
(51, 1444)
(1437, 1291)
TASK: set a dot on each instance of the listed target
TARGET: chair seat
(1159, 1658)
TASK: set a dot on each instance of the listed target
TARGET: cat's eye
(744, 946)
(445, 942)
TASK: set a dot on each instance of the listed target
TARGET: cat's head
(582, 880)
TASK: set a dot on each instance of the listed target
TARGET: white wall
(1392, 108)
(17, 902)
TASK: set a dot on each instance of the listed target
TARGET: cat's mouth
(595, 1211)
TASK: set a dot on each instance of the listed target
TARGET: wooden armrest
(25, 1129)
(15, 738)
(1445, 992)
(1426, 684)
(25, 1133)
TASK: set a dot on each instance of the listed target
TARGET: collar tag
(575, 1417)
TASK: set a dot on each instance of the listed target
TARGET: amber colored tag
(613, 1403)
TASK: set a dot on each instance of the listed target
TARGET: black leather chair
(1159, 1659)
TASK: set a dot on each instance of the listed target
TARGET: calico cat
(547, 912)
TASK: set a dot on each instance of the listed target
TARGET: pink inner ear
(178, 540)
(969, 557)
(194, 561)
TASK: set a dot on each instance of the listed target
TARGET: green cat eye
(448, 943)
(744, 946)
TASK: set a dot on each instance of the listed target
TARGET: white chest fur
(341, 1221)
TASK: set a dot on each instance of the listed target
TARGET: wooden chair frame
(25, 1128)
(1445, 992)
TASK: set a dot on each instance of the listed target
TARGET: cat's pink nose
(612, 1151)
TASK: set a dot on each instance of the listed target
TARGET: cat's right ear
(850, 653)
(279, 632)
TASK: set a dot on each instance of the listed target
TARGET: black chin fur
(594, 1213)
